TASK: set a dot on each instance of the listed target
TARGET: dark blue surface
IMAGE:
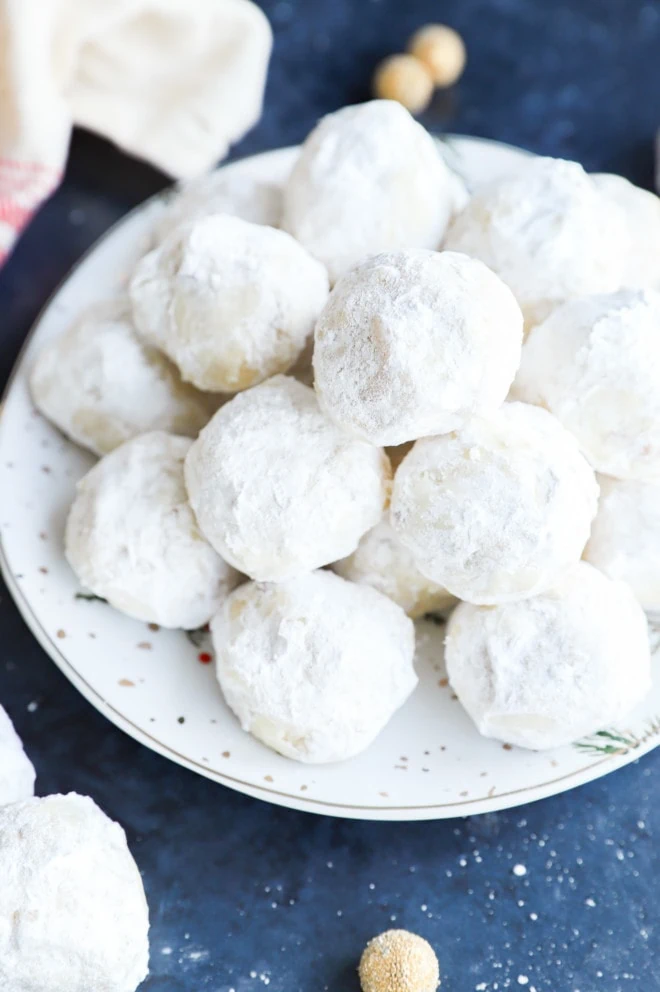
(245, 895)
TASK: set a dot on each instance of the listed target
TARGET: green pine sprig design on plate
(610, 742)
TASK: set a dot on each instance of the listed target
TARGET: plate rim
(308, 804)
(288, 800)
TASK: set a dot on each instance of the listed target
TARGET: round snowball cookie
(595, 364)
(413, 343)
(101, 385)
(132, 538)
(384, 563)
(641, 210)
(231, 303)
(277, 489)
(545, 671)
(221, 192)
(548, 231)
(314, 667)
(73, 916)
(16, 770)
(497, 510)
(625, 537)
(368, 179)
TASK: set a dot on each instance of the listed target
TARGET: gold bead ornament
(435, 58)
(399, 961)
(441, 50)
(405, 79)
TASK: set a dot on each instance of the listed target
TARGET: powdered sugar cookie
(314, 667)
(414, 343)
(221, 192)
(16, 770)
(625, 537)
(545, 671)
(231, 303)
(384, 563)
(641, 210)
(73, 916)
(132, 538)
(277, 489)
(497, 510)
(101, 385)
(549, 232)
(595, 364)
(368, 179)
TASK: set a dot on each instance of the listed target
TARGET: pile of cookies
(326, 409)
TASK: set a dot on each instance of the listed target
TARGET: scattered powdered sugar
(101, 385)
(130, 530)
(383, 562)
(16, 771)
(278, 489)
(413, 343)
(74, 897)
(549, 232)
(498, 509)
(545, 671)
(221, 192)
(369, 179)
(625, 537)
(314, 666)
(595, 363)
(561, 844)
(231, 303)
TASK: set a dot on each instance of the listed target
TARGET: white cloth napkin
(174, 82)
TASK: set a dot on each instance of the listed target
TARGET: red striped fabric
(23, 187)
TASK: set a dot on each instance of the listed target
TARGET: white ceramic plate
(159, 686)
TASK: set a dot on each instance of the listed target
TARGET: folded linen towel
(174, 82)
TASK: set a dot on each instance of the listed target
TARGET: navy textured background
(244, 895)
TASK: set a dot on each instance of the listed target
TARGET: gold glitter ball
(442, 51)
(399, 961)
(405, 79)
